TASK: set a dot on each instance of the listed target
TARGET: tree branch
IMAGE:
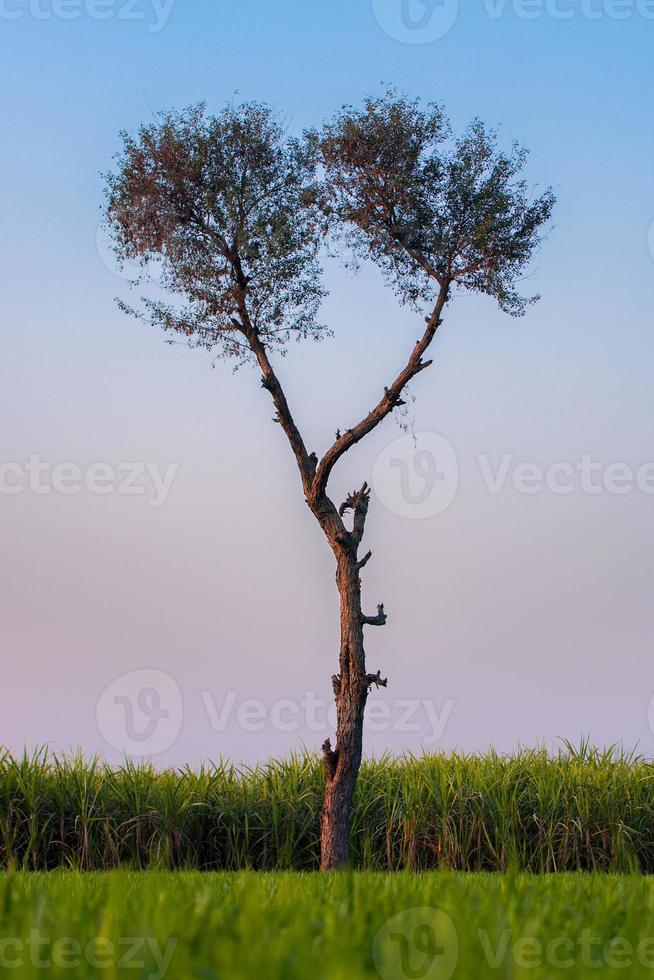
(364, 561)
(270, 382)
(357, 502)
(376, 679)
(378, 620)
(391, 399)
(330, 758)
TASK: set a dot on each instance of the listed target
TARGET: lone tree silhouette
(236, 213)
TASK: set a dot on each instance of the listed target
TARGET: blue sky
(529, 614)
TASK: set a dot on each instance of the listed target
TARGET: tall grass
(580, 809)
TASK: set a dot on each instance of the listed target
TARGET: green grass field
(289, 926)
(577, 810)
(181, 874)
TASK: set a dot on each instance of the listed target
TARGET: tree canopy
(224, 203)
(236, 211)
(429, 209)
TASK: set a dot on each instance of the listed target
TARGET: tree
(236, 212)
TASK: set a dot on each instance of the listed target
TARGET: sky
(164, 591)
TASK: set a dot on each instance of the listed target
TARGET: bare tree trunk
(351, 692)
(351, 687)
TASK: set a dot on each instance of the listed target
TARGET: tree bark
(351, 688)
(351, 692)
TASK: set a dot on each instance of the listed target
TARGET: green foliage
(234, 210)
(429, 210)
(293, 926)
(576, 810)
(223, 203)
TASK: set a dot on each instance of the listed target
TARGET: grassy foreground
(342, 926)
(578, 810)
